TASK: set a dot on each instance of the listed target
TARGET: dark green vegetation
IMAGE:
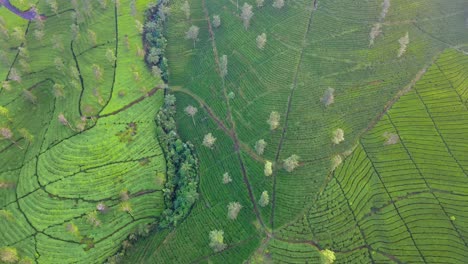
(180, 192)
(398, 73)
(82, 168)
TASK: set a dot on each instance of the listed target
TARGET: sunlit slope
(401, 200)
(368, 52)
(80, 139)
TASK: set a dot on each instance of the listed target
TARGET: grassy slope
(307, 51)
(62, 175)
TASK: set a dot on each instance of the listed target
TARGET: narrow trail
(233, 131)
(288, 110)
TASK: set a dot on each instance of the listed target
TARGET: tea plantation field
(392, 192)
(80, 166)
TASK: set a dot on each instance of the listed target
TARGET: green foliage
(153, 37)
(181, 189)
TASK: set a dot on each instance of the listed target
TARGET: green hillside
(323, 131)
(371, 54)
(82, 169)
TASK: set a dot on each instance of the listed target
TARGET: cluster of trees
(153, 38)
(180, 191)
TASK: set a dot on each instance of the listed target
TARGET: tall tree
(278, 4)
(209, 140)
(186, 9)
(192, 34)
(338, 136)
(217, 240)
(328, 97)
(268, 170)
(246, 15)
(260, 146)
(216, 21)
(223, 66)
(264, 199)
(273, 120)
(9, 255)
(191, 111)
(226, 178)
(233, 210)
(261, 41)
(291, 163)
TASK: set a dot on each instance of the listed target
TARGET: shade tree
(246, 15)
(217, 240)
(291, 163)
(233, 210)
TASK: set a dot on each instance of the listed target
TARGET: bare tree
(155, 71)
(139, 26)
(260, 3)
(233, 210)
(63, 120)
(404, 41)
(223, 66)
(39, 35)
(261, 41)
(75, 30)
(291, 163)
(92, 37)
(29, 96)
(6, 85)
(103, 3)
(226, 178)
(268, 170)
(391, 138)
(338, 136)
(217, 240)
(246, 15)
(374, 33)
(264, 199)
(133, 8)
(216, 21)
(92, 219)
(6, 133)
(110, 55)
(260, 146)
(14, 75)
(336, 161)
(278, 4)
(192, 34)
(328, 97)
(273, 120)
(186, 9)
(209, 140)
(191, 111)
(58, 90)
(97, 71)
(9, 255)
(53, 5)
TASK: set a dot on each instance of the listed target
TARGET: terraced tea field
(327, 131)
(82, 168)
(398, 73)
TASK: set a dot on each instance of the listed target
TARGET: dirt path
(234, 137)
(288, 110)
